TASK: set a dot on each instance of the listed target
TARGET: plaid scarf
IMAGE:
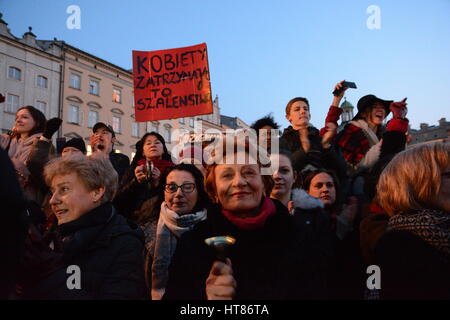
(170, 228)
(433, 226)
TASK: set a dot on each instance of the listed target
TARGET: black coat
(316, 156)
(13, 226)
(120, 162)
(109, 253)
(411, 268)
(132, 195)
(270, 263)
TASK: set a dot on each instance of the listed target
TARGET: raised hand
(399, 109)
(341, 89)
(95, 140)
(140, 173)
(221, 284)
(329, 134)
(156, 174)
(51, 126)
(304, 139)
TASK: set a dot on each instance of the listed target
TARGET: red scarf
(252, 223)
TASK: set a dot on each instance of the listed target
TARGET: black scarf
(77, 235)
(433, 226)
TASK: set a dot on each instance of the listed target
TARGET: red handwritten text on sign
(171, 83)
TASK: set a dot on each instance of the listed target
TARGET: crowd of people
(209, 223)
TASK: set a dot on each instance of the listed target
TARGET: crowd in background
(208, 224)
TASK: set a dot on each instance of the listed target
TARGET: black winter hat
(367, 101)
(77, 143)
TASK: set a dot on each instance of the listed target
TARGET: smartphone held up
(345, 84)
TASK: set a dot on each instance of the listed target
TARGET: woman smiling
(28, 127)
(181, 205)
(92, 236)
(267, 261)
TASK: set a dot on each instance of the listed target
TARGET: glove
(38, 260)
(51, 126)
(399, 109)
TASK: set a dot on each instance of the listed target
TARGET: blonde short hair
(94, 171)
(412, 180)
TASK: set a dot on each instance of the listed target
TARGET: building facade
(30, 74)
(82, 89)
(233, 123)
(95, 90)
(429, 134)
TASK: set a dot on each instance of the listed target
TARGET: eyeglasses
(173, 187)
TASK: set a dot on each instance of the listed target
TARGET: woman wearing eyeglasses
(182, 204)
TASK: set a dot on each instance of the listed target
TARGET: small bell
(220, 245)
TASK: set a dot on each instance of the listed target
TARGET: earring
(94, 201)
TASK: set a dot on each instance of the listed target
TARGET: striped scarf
(170, 228)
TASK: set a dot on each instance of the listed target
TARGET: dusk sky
(263, 53)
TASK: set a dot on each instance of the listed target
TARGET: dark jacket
(393, 143)
(109, 253)
(13, 228)
(411, 268)
(40, 155)
(269, 263)
(344, 268)
(317, 156)
(372, 228)
(132, 195)
(120, 162)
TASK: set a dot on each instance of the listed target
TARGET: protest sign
(172, 83)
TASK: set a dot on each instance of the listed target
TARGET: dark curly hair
(265, 121)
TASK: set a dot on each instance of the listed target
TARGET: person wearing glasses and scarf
(183, 203)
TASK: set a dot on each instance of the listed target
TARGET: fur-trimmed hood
(303, 200)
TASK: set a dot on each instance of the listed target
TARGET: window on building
(152, 127)
(116, 124)
(42, 82)
(93, 118)
(41, 106)
(75, 81)
(94, 87)
(117, 95)
(135, 129)
(15, 73)
(167, 134)
(12, 103)
(74, 114)
(181, 120)
(191, 122)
